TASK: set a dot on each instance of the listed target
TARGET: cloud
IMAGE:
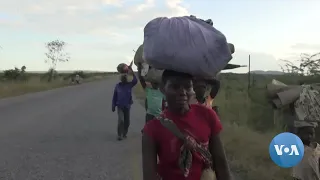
(146, 5)
(102, 16)
(303, 46)
(104, 31)
(103, 46)
(7, 20)
(259, 61)
(176, 6)
(113, 2)
(107, 32)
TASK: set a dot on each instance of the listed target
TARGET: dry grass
(35, 84)
(248, 127)
(248, 155)
(246, 148)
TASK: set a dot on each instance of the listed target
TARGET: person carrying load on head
(307, 111)
(301, 103)
(184, 136)
(150, 81)
(154, 98)
(309, 167)
(122, 100)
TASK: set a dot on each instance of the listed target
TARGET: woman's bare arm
(141, 79)
(149, 158)
(219, 159)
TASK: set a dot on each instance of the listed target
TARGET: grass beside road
(246, 147)
(36, 84)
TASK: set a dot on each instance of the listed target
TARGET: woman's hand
(130, 68)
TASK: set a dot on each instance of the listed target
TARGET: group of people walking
(183, 101)
(180, 139)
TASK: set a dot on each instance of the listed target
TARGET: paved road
(68, 134)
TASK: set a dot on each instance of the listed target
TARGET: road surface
(68, 134)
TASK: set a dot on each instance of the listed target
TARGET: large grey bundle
(185, 44)
(154, 75)
(138, 56)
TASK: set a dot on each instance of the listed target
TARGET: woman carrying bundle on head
(185, 136)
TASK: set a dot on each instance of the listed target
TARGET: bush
(15, 74)
(50, 75)
(39, 82)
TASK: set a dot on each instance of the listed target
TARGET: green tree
(307, 65)
(15, 74)
(55, 54)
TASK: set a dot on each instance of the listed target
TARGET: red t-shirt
(200, 123)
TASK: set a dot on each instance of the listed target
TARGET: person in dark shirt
(206, 90)
(122, 100)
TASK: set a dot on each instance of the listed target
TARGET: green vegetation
(16, 81)
(250, 124)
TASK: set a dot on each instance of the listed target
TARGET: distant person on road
(122, 100)
(77, 79)
(154, 102)
(309, 167)
(185, 137)
(205, 91)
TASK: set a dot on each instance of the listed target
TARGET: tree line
(306, 65)
(54, 55)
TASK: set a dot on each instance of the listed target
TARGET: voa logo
(291, 151)
(286, 150)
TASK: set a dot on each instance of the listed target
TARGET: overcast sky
(102, 33)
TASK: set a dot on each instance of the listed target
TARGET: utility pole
(249, 74)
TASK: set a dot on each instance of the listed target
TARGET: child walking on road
(122, 100)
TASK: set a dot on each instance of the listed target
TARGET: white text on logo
(280, 149)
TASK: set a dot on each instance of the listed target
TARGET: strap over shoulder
(190, 145)
(172, 127)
